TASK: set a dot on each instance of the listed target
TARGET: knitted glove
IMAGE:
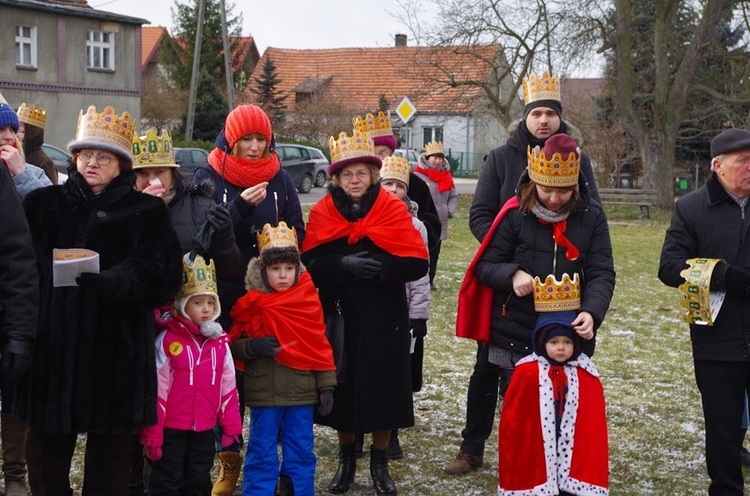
(265, 346)
(326, 402)
(153, 453)
(358, 265)
(15, 361)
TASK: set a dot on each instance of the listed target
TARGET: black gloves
(221, 220)
(358, 265)
(737, 279)
(418, 327)
(105, 283)
(326, 402)
(265, 346)
(15, 361)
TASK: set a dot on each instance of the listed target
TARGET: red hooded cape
(294, 317)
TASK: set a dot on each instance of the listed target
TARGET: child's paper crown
(556, 296)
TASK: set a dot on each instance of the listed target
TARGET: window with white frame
(26, 46)
(100, 50)
(431, 134)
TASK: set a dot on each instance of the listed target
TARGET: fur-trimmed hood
(254, 279)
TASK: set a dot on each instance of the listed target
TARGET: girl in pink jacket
(196, 387)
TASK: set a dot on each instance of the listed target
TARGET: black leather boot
(359, 442)
(381, 479)
(347, 468)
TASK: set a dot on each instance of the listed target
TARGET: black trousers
(481, 403)
(722, 386)
(106, 463)
(185, 466)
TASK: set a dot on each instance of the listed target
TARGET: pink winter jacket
(196, 382)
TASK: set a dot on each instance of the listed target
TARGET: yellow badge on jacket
(175, 348)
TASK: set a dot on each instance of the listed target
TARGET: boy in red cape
(553, 426)
(279, 335)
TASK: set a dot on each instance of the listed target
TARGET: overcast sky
(290, 23)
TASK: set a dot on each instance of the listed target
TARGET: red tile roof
(244, 48)
(361, 75)
(151, 37)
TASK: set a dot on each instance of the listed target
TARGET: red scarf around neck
(243, 172)
(558, 234)
(443, 178)
(294, 317)
(388, 224)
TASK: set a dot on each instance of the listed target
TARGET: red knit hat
(244, 120)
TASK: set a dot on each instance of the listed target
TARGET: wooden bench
(644, 198)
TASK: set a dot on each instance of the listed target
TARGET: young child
(279, 334)
(436, 172)
(196, 387)
(553, 427)
(394, 177)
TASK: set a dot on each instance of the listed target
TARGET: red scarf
(558, 234)
(474, 317)
(294, 317)
(243, 172)
(388, 224)
(443, 178)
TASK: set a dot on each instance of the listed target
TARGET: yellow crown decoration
(281, 236)
(197, 277)
(433, 147)
(395, 168)
(696, 291)
(152, 150)
(546, 87)
(358, 145)
(374, 126)
(555, 172)
(106, 126)
(32, 115)
(557, 296)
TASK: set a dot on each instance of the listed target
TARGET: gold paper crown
(374, 126)
(696, 290)
(280, 236)
(358, 145)
(546, 87)
(197, 277)
(395, 168)
(152, 150)
(557, 172)
(433, 147)
(32, 115)
(555, 296)
(106, 126)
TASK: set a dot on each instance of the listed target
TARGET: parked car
(61, 158)
(298, 162)
(412, 156)
(190, 159)
(321, 166)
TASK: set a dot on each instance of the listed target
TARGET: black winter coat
(708, 223)
(376, 393)
(500, 175)
(522, 242)
(94, 367)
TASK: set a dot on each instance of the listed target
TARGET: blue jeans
(262, 461)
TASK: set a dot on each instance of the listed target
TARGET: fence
(465, 164)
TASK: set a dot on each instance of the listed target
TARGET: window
(100, 50)
(26, 46)
(431, 134)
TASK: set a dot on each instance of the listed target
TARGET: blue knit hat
(551, 324)
(8, 117)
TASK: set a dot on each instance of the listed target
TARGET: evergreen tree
(210, 111)
(383, 103)
(268, 97)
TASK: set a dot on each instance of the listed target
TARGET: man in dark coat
(714, 222)
(497, 183)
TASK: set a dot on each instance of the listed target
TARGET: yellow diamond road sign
(405, 110)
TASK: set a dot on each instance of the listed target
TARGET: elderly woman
(93, 363)
(361, 247)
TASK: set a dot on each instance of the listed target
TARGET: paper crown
(395, 168)
(546, 87)
(197, 277)
(557, 296)
(105, 127)
(557, 164)
(153, 151)
(29, 114)
(374, 126)
(701, 305)
(433, 148)
(347, 150)
(281, 236)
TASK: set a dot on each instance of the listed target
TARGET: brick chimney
(400, 40)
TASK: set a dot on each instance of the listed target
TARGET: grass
(643, 355)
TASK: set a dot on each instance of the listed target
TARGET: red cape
(474, 317)
(388, 224)
(294, 317)
(531, 459)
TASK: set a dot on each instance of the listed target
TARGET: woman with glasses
(361, 247)
(93, 365)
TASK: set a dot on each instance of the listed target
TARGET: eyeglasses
(101, 159)
(349, 175)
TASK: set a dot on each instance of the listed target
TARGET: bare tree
(317, 119)
(161, 103)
